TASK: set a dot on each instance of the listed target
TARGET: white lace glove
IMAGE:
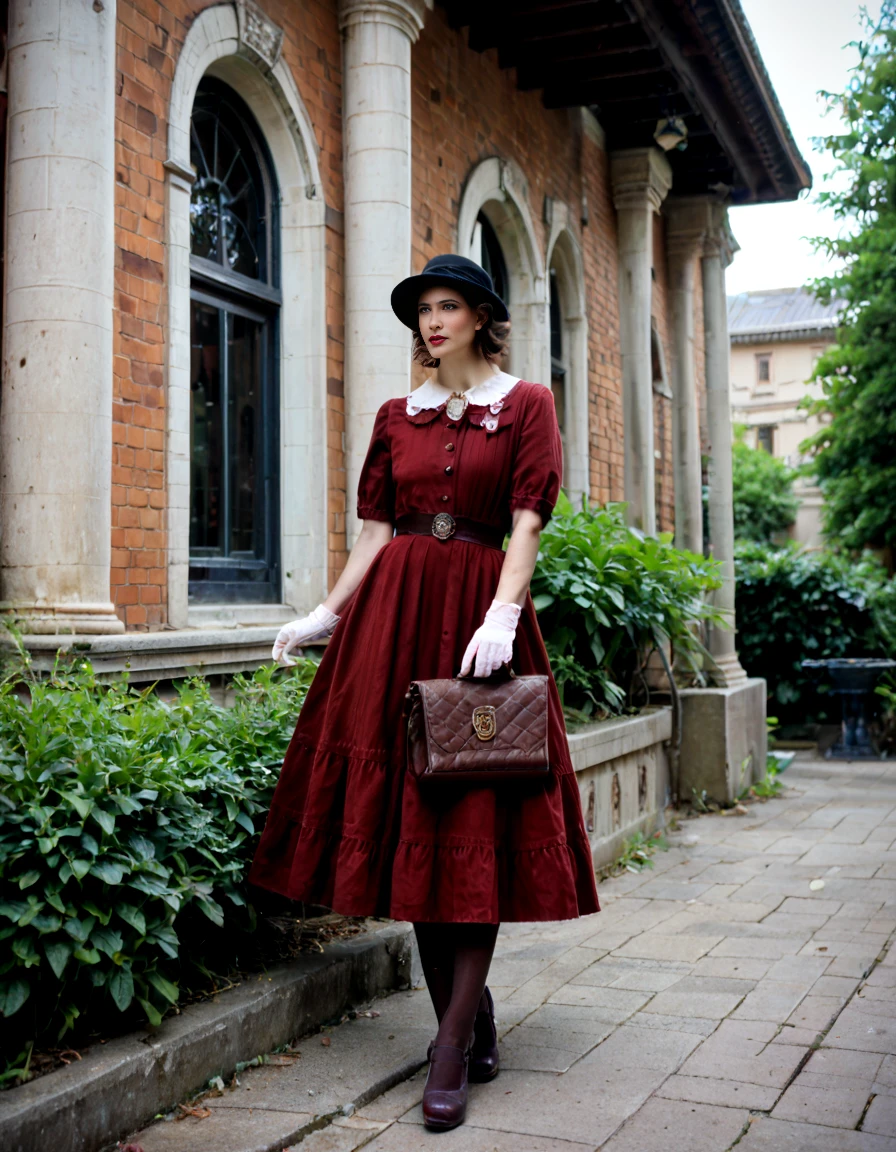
(492, 642)
(318, 623)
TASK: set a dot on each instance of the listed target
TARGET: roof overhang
(633, 61)
(785, 333)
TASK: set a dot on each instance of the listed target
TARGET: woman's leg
(445, 1096)
(474, 945)
(436, 946)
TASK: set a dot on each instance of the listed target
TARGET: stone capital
(688, 223)
(719, 240)
(698, 225)
(640, 177)
(407, 16)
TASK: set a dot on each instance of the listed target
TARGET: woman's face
(448, 324)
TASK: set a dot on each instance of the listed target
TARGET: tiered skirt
(351, 829)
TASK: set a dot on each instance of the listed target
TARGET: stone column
(686, 223)
(56, 412)
(377, 117)
(640, 177)
(718, 250)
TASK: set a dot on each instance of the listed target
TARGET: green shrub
(606, 595)
(127, 825)
(794, 606)
(764, 503)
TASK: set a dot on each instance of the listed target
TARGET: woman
(349, 828)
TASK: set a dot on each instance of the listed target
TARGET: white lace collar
(431, 394)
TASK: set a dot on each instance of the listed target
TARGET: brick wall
(604, 357)
(150, 36)
(465, 108)
(139, 541)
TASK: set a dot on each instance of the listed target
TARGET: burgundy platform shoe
(484, 1054)
(445, 1108)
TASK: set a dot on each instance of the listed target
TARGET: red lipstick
(437, 340)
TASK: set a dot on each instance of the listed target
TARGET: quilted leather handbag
(478, 730)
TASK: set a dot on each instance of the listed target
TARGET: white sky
(804, 46)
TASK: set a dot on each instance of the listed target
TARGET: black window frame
(218, 575)
(558, 357)
(492, 257)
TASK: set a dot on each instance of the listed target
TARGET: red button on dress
(349, 828)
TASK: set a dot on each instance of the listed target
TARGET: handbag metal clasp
(485, 721)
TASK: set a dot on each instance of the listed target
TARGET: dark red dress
(349, 828)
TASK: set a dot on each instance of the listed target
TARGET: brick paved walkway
(720, 998)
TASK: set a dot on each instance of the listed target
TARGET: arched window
(490, 256)
(234, 315)
(559, 352)
(658, 363)
(569, 354)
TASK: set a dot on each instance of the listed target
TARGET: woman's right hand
(318, 623)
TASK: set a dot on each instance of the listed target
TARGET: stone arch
(565, 258)
(219, 44)
(497, 188)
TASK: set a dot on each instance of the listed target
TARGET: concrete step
(117, 1086)
(327, 1093)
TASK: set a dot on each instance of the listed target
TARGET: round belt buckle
(443, 525)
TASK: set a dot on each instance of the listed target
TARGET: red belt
(444, 526)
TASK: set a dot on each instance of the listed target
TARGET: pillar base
(723, 740)
(728, 671)
(64, 619)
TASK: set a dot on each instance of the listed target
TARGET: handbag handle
(504, 668)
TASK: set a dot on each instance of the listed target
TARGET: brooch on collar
(456, 405)
(490, 417)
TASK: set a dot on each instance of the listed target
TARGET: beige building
(776, 339)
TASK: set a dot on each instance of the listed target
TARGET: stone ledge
(622, 772)
(120, 1085)
(162, 655)
(240, 615)
(610, 739)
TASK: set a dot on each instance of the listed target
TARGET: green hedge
(793, 606)
(127, 825)
(762, 492)
(607, 594)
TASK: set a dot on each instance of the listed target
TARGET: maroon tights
(456, 959)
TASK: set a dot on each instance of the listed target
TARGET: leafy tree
(853, 453)
(764, 503)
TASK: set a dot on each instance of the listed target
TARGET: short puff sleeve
(538, 463)
(376, 491)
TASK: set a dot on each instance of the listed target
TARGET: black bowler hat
(472, 281)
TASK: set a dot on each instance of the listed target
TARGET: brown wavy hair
(491, 339)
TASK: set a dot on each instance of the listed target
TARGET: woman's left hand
(492, 642)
